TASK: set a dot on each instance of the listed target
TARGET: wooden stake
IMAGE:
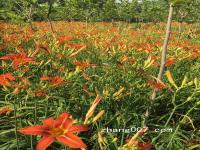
(163, 59)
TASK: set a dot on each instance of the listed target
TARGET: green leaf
(178, 2)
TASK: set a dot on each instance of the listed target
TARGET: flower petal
(16, 63)
(78, 128)
(34, 130)
(6, 57)
(49, 122)
(71, 140)
(61, 118)
(9, 76)
(45, 78)
(144, 146)
(28, 59)
(45, 142)
(67, 123)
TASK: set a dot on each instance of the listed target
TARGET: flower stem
(15, 115)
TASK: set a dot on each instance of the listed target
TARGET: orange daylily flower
(146, 47)
(60, 130)
(63, 38)
(156, 85)
(2, 46)
(84, 64)
(196, 47)
(22, 85)
(195, 55)
(5, 110)
(54, 80)
(6, 78)
(18, 59)
(144, 146)
(40, 93)
(170, 62)
(76, 45)
(157, 64)
(122, 44)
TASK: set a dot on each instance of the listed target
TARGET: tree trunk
(179, 30)
(86, 22)
(48, 16)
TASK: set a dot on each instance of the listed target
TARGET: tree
(98, 10)
(50, 4)
(127, 10)
(110, 10)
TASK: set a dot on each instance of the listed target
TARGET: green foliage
(178, 2)
(95, 10)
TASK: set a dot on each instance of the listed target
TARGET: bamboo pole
(163, 60)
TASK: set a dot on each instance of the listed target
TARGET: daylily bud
(98, 115)
(170, 79)
(92, 108)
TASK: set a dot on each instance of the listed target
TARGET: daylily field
(69, 88)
